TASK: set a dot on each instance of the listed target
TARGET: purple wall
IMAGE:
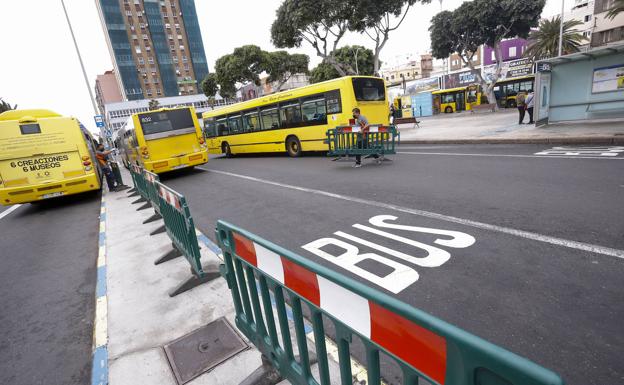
(520, 45)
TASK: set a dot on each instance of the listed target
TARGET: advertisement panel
(460, 79)
(608, 79)
(509, 70)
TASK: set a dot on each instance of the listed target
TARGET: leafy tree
(346, 55)
(153, 105)
(618, 7)
(4, 106)
(479, 22)
(280, 65)
(209, 85)
(544, 41)
(375, 19)
(320, 23)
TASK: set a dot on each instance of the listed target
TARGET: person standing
(102, 156)
(521, 105)
(530, 104)
(362, 141)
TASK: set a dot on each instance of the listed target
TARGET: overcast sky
(39, 67)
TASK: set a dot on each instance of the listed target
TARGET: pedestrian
(530, 103)
(102, 156)
(362, 137)
(392, 113)
(521, 105)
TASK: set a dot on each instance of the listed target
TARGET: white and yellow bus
(163, 140)
(295, 120)
(44, 155)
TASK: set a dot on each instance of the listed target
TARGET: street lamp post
(84, 73)
(561, 28)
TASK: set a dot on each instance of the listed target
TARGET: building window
(142, 25)
(134, 37)
(181, 48)
(608, 4)
(158, 92)
(493, 56)
(587, 18)
(607, 36)
(150, 60)
(170, 37)
(184, 59)
(172, 46)
(168, 26)
(144, 36)
(177, 26)
(128, 13)
(148, 48)
(141, 60)
(512, 51)
(137, 49)
(175, 59)
(186, 67)
(179, 37)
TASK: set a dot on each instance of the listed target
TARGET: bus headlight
(88, 168)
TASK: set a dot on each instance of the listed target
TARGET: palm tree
(153, 104)
(618, 7)
(544, 41)
(4, 106)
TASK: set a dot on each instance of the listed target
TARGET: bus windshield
(369, 90)
(165, 121)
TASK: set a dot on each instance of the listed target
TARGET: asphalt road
(47, 291)
(525, 251)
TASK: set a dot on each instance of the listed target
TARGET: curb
(99, 372)
(610, 140)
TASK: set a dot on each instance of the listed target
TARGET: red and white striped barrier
(150, 177)
(169, 197)
(417, 346)
(359, 129)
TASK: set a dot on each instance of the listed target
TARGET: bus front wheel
(225, 148)
(448, 110)
(293, 146)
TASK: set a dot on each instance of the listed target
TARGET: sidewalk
(503, 127)
(141, 318)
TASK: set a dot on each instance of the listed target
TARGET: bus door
(460, 100)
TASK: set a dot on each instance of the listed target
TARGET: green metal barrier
(140, 185)
(181, 230)
(152, 194)
(345, 141)
(258, 271)
(134, 191)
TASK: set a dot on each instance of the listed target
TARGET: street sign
(99, 121)
(108, 132)
(544, 67)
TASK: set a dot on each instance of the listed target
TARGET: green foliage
(345, 56)
(321, 23)
(280, 65)
(209, 85)
(544, 42)
(618, 8)
(245, 65)
(153, 105)
(4, 106)
(480, 22)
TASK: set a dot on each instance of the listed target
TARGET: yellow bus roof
(19, 114)
(514, 79)
(327, 85)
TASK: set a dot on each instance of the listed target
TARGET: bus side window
(222, 127)
(234, 123)
(290, 114)
(334, 102)
(270, 118)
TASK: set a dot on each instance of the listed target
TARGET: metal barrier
(133, 192)
(421, 345)
(139, 184)
(349, 141)
(181, 230)
(152, 194)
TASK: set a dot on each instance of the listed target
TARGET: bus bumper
(170, 164)
(26, 194)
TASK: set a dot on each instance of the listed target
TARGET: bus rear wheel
(448, 110)
(225, 148)
(293, 146)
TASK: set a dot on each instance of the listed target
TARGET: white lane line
(9, 211)
(467, 222)
(507, 155)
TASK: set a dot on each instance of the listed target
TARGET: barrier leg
(159, 230)
(140, 200)
(195, 280)
(264, 375)
(133, 192)
(147, 205)
(153, 218)
(168, 256)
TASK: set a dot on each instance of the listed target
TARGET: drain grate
(203, 349)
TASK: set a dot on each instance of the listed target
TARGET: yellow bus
(44, 155)
(458, 99)
(506, 91)
(295, 120)
(163, 140)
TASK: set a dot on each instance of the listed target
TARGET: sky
(39, 67)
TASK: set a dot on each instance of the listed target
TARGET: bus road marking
(9, 210)
(582, 246)
(597, 151)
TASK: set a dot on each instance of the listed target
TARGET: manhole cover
(203, 349)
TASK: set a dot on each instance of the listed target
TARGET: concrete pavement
(503, 127)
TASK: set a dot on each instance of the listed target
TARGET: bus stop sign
(99, 121)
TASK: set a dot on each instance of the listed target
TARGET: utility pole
(561, 28)
(84, 73)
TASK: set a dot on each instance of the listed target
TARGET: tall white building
(583, 11)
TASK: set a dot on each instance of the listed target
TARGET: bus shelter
(581, 86)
